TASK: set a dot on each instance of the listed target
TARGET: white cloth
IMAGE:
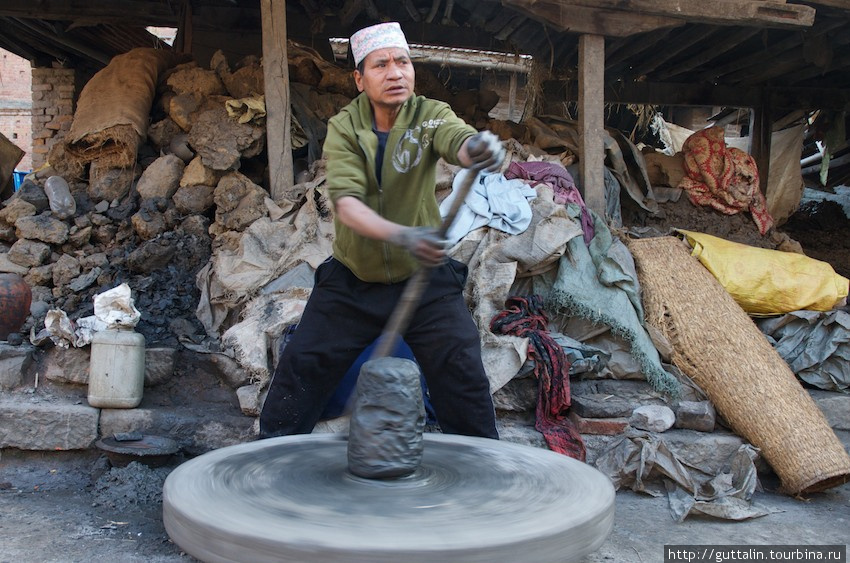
(493, 201)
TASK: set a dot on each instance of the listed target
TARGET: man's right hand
(424, 243)
(486, 152)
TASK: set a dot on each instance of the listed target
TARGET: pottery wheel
(292, 499)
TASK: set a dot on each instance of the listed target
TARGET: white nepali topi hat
(379, 36)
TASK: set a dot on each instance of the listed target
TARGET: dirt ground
(62, 508)
(820, 226)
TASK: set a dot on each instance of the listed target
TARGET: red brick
(601, 426)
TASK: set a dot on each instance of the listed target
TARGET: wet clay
(471, 500)
(388, 418)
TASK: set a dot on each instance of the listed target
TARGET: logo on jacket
(408, 152)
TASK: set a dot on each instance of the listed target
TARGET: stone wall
(53, 97)
(16, 104)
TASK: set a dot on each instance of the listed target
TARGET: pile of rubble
(154, 224)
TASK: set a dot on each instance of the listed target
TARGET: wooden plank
(632, 47)
(467, 58)
(722, 12)
(685, 39)
(792, 42)
(350, 10)
(681, 94)
(591, 120)
(512, 97)
(843, 4)
(12, 29)
(52, 37)
(840, 62)
(512, 26)
(278, 110)
(761, 131)
(717, 49)
(578, 19)
(183, 42)
(789, 64)
(96, 11)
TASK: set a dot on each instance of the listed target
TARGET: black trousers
(344, 315)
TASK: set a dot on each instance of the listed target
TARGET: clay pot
(15, 300)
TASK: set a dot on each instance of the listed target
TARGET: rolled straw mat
(717, 344)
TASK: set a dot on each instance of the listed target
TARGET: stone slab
(599, 405)
(31, 424)
(14, 361)
(196, 431)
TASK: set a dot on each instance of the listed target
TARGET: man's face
(387, 77)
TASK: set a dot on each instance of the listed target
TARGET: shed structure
(770, 56)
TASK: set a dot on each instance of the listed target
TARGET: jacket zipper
(385, 245)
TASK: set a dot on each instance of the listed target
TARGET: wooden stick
(417, 283)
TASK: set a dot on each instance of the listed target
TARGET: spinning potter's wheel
(387, 493)
(293, 499)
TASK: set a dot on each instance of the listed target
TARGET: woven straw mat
(717, 344)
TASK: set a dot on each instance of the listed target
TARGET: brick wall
(16, 104)
(53, 95)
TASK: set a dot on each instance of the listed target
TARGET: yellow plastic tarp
(768, 282)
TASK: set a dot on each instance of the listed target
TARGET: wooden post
(278, 110)
(591, 105)
(761, 133)
(512, 97)
(184, 32)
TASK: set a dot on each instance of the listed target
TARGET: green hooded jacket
(424, 131)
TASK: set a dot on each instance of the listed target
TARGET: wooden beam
(591, 120)
(7, 43)
(34, 42)
(793, 41)
(350, 10)
(100, 11)
(58, 36)
(681, 94)
(278, 110)
(810, 98)
(512, 96)
(685, 39)
(843, 4)
(788, 64)
(183, 43)
(717, 49)
(840, 62)
(722, 12)
(467, 58)
(593, 21)
(428, 34)
(761, 131)
(628, 48)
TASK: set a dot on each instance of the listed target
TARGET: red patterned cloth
(525, 317)
(723, 178)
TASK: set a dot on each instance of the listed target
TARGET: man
(382, 150)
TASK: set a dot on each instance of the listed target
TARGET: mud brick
(600, 426)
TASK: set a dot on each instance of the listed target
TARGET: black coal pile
(68, 261)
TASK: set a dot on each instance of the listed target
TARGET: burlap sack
(114, 108)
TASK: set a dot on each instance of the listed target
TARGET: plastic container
(19, 178)
(117, 369)
(62, 203)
